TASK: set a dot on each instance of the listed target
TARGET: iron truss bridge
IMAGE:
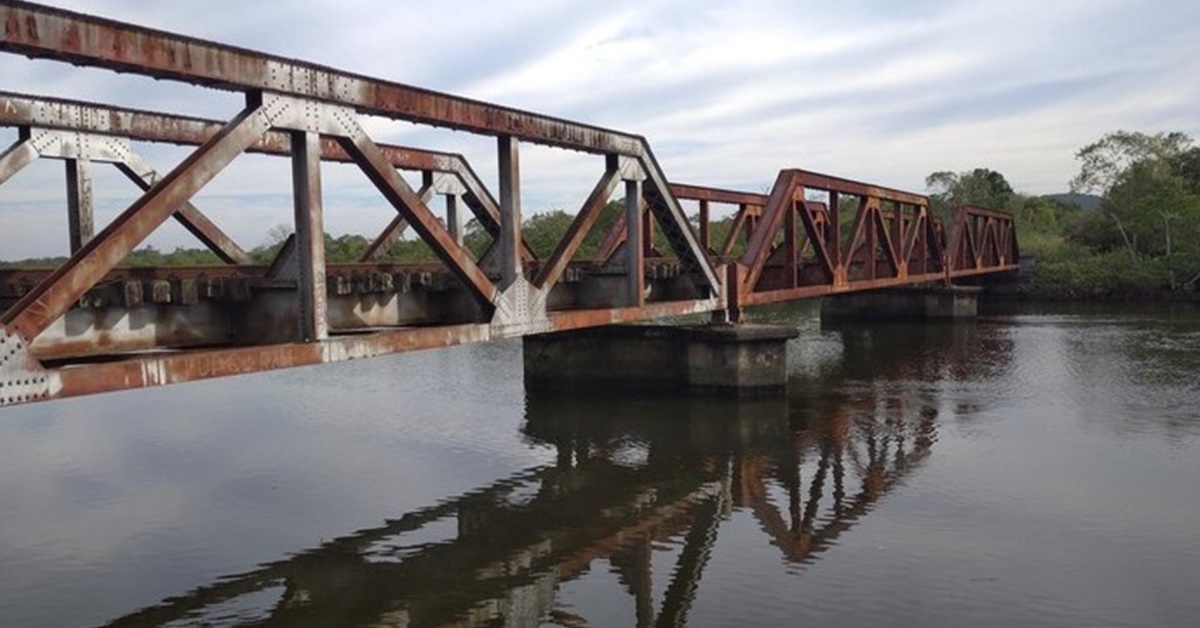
(91, 325)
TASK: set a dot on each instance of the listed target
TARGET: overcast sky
(727, 93)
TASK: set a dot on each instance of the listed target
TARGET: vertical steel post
(874, 216)
(453, 219)
(791, 244)
(753, 213)
(310, 235)
(647, 234)
(923, 225)
(704, 218)
(510, 210)
(833, 240)
(635, 260)
(79, 202)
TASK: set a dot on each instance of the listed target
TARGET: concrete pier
(910, 303)
(742, 360)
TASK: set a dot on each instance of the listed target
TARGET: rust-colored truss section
(981, 241)
(821, 235)
(90, 325)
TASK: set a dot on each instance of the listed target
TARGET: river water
(1033, 468)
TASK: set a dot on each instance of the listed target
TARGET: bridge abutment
(741, 360)
(948, 303)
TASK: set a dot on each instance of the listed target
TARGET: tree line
(1141, 240)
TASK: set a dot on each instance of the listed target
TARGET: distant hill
(1084, 201)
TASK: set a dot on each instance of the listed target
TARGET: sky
(726, 93)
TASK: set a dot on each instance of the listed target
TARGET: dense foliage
(1142, 240)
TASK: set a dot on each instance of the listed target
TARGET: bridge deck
(90, 326)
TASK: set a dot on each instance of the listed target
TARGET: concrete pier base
(743, 360)
(910, 303)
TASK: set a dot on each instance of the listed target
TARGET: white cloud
(727, 93)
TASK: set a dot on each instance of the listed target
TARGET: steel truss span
(91, 325)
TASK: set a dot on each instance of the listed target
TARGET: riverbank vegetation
(1141, 237)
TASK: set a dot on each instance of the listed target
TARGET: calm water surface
(1036, 468)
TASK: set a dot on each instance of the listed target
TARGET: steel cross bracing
(75, 329)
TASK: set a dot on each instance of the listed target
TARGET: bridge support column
(908, 303)
(738, 360)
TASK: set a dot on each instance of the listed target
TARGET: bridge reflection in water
(631, 478)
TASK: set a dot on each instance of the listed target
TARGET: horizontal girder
(38, 31)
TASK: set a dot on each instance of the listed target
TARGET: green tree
(1151, 206)
(982, 186)
(1186, 166)
(543, 231)
(1138, 176)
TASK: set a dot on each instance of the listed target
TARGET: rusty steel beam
(820, 248)
(391, 233)
(707, 195)
(51, 299)
(81, 148)
(782, 197)
(891, 248)
(185, 366)
(554, 266)
(673, 221)
(612, 239)
(740, 220)
(187, 214)
(310, 236)
(508, 155)
(791, 244)
(455, 225)
(635, 258)
(16, 158)
(43, 32)
(23, 110)
(80, 215)
(138, 311)
(688, 192)
(763, 297)
(379, 170)
(828, 183)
